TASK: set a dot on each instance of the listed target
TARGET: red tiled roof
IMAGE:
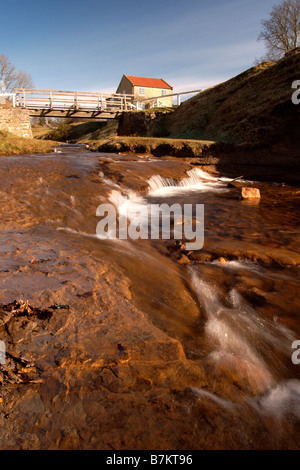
(149, 82)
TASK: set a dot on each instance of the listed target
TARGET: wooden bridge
(81, 104)
(72, 104)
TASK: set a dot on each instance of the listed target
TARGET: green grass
(11, 144)
(40, 132)
(94, 130)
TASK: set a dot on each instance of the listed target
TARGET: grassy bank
(11, 144)
(102, 136)
(155, 146)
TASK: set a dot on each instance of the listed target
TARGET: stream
(158, 347)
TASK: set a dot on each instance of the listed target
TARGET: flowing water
(235, 312)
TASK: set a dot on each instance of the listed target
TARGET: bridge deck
(86, 114)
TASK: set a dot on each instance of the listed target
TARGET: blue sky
(88, 45)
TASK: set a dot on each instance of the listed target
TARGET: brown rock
(250, 193)
(184, 260)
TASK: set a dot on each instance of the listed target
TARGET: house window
(163, 92)
(142, 91)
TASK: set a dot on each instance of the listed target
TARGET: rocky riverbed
(120, 344)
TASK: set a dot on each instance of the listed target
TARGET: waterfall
(197, 180)
(250, 346)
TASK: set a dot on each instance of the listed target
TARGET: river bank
(121, 345)
(11, 144)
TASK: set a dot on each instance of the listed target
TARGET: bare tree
(281, 32)
(11, 78)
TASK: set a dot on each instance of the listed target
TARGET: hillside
(255, 107)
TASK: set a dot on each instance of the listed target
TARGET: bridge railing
(160, 98)
(72, 100)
